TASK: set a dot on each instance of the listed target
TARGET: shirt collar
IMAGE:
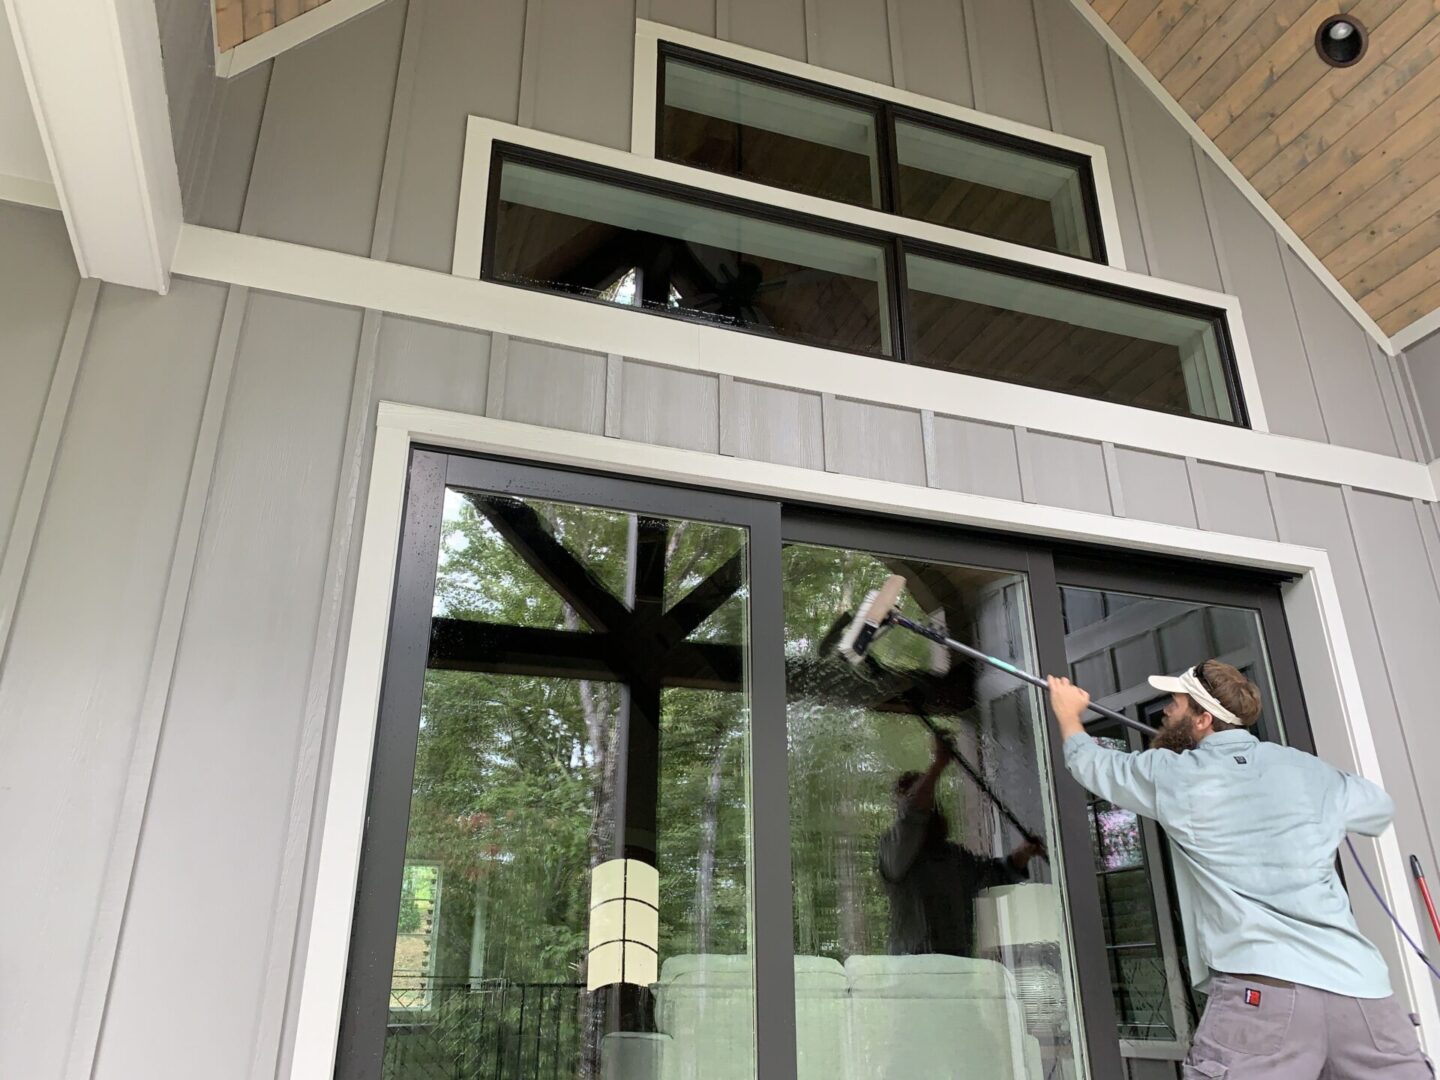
(1223, 740)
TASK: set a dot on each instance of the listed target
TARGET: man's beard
(1178, 735)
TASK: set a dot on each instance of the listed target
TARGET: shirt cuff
(1076, 743)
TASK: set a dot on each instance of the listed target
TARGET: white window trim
(482, 133)
(649, 35)
(1312, 605)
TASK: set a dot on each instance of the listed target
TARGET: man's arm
(1365, 808)
(903, 840)
(922, 795)
(1127, 780)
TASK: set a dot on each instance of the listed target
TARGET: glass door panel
(1114, 641)
(575, 895)
(929, 925)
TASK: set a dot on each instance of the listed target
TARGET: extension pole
(1010, 669)
(1425, 893)
(960, 759)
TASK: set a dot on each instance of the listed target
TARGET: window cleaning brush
(877, 614)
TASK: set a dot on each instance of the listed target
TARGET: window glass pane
(757, 131)
(604, 241)
(950, 959)
(533, 939)
(999, 326)
(1133, 637)
(965, 183)
(410, 984)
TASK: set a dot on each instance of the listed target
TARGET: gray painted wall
(1422, 364)
(176, 648)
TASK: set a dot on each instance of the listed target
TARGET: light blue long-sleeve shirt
(1254, 828)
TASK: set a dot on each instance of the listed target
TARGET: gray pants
(1262, 1029)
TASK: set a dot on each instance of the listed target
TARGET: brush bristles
(873, 612)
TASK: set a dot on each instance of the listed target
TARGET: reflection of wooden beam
(525, 531)
(701, 602)
(463, 645)
(492, 648)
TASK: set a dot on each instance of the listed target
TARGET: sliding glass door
(558, 873)
(930, 907)
(1122, 625)
(632, 816)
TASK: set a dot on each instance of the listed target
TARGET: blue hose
(1386, 908)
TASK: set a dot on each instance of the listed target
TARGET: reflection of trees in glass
(514, 786)
(844, 758)
(417, 897)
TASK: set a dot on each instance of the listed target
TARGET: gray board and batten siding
(185, 474)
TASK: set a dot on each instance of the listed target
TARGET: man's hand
(1068, 702)
(1021, 856)
(939, 754)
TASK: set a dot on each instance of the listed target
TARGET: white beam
(92, 70)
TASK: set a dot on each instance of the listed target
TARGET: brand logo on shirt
(1239, 760)
(1252, 997)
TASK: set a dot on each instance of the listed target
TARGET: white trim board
(27, 192)
(1224, 164)
(1418, 331)
(317, 274)
(482, 133)
(1312, 605)
(287, 35)
(649, 35)
(96, 86)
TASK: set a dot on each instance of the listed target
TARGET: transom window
(743, 121)
(612, 237)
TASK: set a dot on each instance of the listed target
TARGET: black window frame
(886, 113)
(894, 247)
(1189, 581)
(771, 521)
(589, 170)
(1217, 317)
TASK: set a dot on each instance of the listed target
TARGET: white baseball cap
(1190, 683)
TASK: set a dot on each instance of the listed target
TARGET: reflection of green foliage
(511, 791)
(417, 897)
(843, 762)
(512, 782)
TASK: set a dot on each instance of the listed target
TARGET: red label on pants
(1252, 997)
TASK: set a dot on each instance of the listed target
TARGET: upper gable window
(816, 144)
(786, 132)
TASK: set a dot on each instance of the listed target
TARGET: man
(1296, 992)
(931, 881)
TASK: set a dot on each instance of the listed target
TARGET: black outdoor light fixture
(1341, 40)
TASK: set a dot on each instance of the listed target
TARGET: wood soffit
(1349, 157)
(238, 21)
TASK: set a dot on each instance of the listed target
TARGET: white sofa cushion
(706, 1004)
(934, 1016)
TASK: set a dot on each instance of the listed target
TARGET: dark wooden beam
(525, 531)
(701, 602)
(496, 649)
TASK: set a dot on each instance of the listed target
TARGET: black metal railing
(490, 1029)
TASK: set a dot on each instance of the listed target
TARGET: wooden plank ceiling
(241, 20)
(1349, 157)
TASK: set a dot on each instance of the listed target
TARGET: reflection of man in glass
(932, 882)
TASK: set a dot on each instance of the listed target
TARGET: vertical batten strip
(44, 450)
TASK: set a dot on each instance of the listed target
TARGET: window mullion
(772, 939)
